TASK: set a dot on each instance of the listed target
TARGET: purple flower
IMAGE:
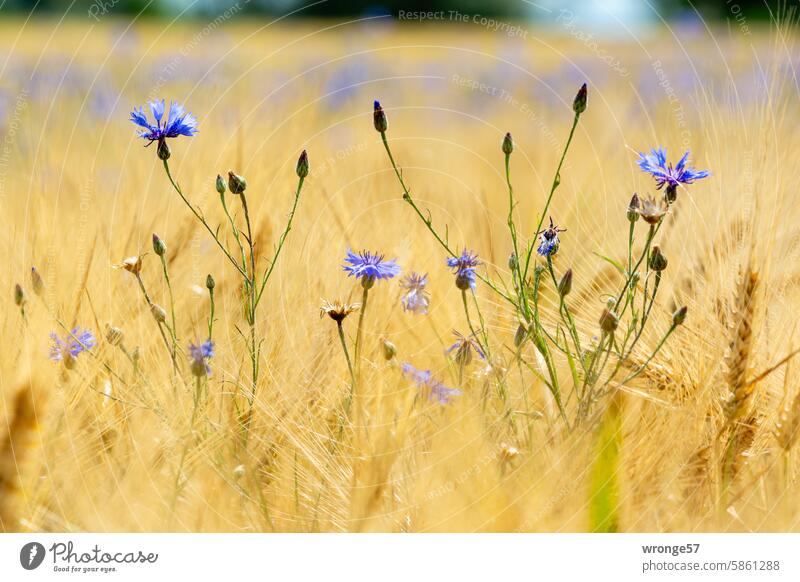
(369, 267)
(199, 356)
(178, 122)
(416, 299)
(655, 164)
(549, 242)
(425, 382)
(464, 266)
(73, 344)
(463, 348)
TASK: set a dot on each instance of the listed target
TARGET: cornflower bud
(36, 281)
(389, 349)
(565, 285)
(158, 313)
(302, 165)
(379, 118)
(633, 208)
(236, 184)
(658, 262)
(19, 295)
(210, 283)
(608, 321)
(220, 185)
(579, 105)
(508, 144)
(163, 150)
(679, 316)
(158, 245)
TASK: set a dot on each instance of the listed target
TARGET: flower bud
(220, 185)
(163, 150)
(633, 208)
(658, 262)
(579, 105)
(158, 313)
(19, 295)
(210, 283)
(565, 285)
(36, 281)
(608, 321)
(236, 184)
(389, 349)
(513, 263)
(679, 316)
(508, 144)
(302, 165)
(158, 245)
(114, 335)
(379, 118)
(519, 337)
(671, 193)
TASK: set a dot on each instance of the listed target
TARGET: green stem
(203, 221)
(407, 197)
(359, 331)
(349, 400)
(556, 182)
(281, 240)
(172, 310)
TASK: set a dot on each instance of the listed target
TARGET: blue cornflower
(463, 347)
(655, 163)
(199, 356)
(464, 266)
(73, 344)
(178, 122)
(416, 299)
(369, 267)
(549, 242)
(425, 381)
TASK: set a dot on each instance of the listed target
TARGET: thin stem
(172, 309)
(203, 221)
(211, 315)
(556, 182)
(281, 240)
(359, 331)
(251, 296)
(407, 197)
(349, 367)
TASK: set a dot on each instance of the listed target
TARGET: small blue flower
(548, 246)
(655, 163)
(73, 344)
(178, 122)
(369, 267)
(199, 356)
(425, 382)
(464, 266)
(416, 299)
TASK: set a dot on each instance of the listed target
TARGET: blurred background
(590, 13)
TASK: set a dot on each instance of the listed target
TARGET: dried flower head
(131, 264)
(114, 335)
(652, 210)
(337, 310)
(236, 183)
(158, 313)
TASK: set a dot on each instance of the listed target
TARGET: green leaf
(612, 262)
